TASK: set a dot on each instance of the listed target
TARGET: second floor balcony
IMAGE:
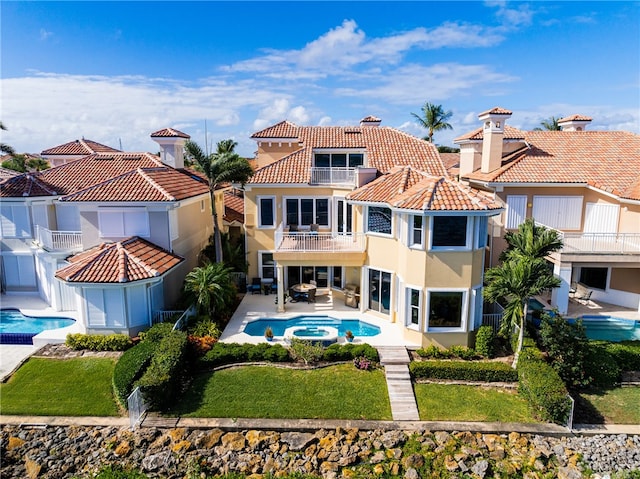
(58, 240)
(607, 243)
(322, 242)
(333, 176)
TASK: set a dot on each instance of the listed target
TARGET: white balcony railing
(58, 240)
(612, 243)
(333, 176)
(332, 242)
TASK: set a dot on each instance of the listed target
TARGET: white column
(560, 296)
(280, 279)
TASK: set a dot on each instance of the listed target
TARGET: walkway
(395, 360)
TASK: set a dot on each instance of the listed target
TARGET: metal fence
(137, 406)
(570, 418)
(184, 319)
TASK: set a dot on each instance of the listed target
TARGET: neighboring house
(585, 184)
(5, 173)
(74, 150)
(373, 207)
(111, 235)
(233, 218)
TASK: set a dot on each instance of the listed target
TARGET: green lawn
(51, 387)
(448, 402)
(613, 406)
(336, 392)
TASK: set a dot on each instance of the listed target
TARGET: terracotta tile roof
(370, 119)
(385, 148)
(79, 147)
(284, 129)
(128, 260)
(496, 111)
(575, 118)
(144, 184)
(6, 173)
(233, 207)
(607, 160)
(169, 133)
(451, 163)
(510, 133)
(407, 188)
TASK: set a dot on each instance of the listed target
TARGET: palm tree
(550, 124)
(223, 166)
(211, 288)
(517, 280)
(531, 240)
(4, 148)
(433, 119)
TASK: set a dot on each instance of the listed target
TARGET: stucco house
(373, 207)
(583, 183)
(111, 234)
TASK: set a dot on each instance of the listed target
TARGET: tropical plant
(433, 119)
(531, 241)
(211, 288)
(22, 164)
(549, 124)
(223, 166)
(4, 148)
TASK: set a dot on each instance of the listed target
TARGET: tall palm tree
(211, 288)
(433, 119)
(4, 148)
(531, 240)
(549, 124)
(517, 280)
(223, 166)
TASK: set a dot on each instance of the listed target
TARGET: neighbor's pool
(17, 328)
(357, 327)
(608, 328)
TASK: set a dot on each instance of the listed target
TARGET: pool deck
(578, 309)
(256, 306)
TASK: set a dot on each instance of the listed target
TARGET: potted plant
(268, 333)
(348, 335)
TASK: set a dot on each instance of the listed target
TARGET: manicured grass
(612, 406)
(336, 392)
(449, 402)
(70, 387)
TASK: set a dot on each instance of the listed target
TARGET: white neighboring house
(110, 235)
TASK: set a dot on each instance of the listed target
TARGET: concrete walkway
(395, 360)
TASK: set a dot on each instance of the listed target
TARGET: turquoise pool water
(609, 328)
(17, 328)
(357, 327)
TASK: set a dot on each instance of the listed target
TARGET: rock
(32, 468)
(413, 461)
(569, 472)
(378, 457)
(297, 440)
(392, 439)
(233, 441)
(411, 474)
(442, 437)
(480, 468)
(156, 461)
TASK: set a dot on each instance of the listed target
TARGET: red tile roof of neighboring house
(370, 119)
(607, 160)
(103, 169)
(575, 118)
(451, 163)
(408, 188)
(143, 184)
(7, 173)
(79, 147)
(510, 133)
(169, 133)
(496, 111)
(385, 148)
(233, 207)
(128, 260)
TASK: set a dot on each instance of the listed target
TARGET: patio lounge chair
(582, 293)
(311, 296)
(255, 286)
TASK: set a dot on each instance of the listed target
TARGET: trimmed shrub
(161, 382)
(626, 354)
(542, 387)
(601, 366)
(566, 344)
(486, 341)
(306, 351)
(98, 342)
(349, 351)
(433, 352)
(463, 352)
(229, 353)
(130, 368)
(156, 332)
(463, 371)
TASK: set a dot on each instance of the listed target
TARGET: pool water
(17, 328)
(357, 327)
(608, 328)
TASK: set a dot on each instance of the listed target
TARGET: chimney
(574, 123)
(492, 137)
(171, 143)
(370, 121)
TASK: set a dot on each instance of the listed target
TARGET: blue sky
(114, 72)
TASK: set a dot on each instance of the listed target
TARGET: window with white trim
(379, 220)
(338, 160)
(307, 211)
(414, 307)
(123, 222)
(482, 223)
(14, 221)
(516, 211)
(450, 232)
(267, 265)
(266, 211)
(446, 310)
(416, 231)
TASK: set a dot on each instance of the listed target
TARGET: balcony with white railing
(608, 243)
(58, 240)
(318, 242)
(333, 176)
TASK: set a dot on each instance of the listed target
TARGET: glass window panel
(356, 159)
(266, 212)
(374, 289)
(322, 212)
(417, 230)
(322, 276)
(292, 211)
(323, 160)
(293, 274)
(594, 277)
(386, 293)
(306, 210)
(449, 231)
(337, 276)
(339, 160)
(379, 219)
(445, 309)
(268, 266)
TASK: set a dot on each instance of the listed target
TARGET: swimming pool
(357, 327)
(609, 328)
(17, 328)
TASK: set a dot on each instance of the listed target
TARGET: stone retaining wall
(74, 451)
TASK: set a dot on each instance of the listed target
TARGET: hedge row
(463, 371)
(626, 354)
(455, 352)
(161, 382)
(542, 387)
(350, 351)
(229, 353)
(98, 342)
(130, 367)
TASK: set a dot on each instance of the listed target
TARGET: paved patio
(256, 306)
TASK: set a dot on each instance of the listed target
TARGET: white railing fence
(164, 316)
(137, 406)
(183, 320)
(569, 424)
(318, 241)
(493, 319)
(333, 176)
(58, 240)
(602, 242)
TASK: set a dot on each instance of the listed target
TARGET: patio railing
(330, 242)
(58, 240)
(333, 176)
(613, 243)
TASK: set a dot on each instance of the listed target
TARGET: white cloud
(45, 34)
